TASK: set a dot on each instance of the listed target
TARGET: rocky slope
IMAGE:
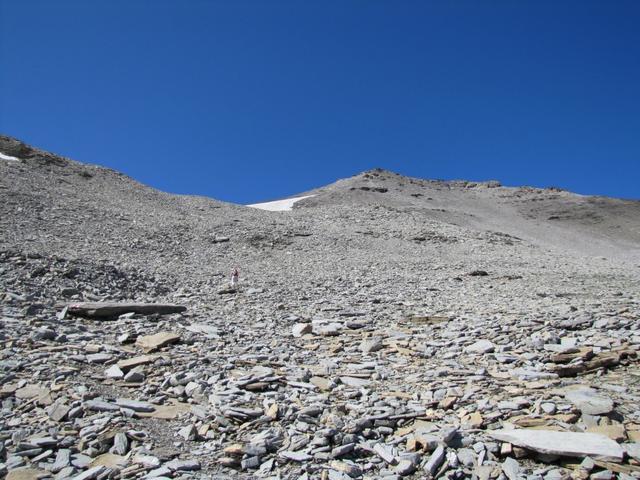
(385, 327)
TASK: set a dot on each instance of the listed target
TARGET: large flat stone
(109, 460)
(568, 444)
(167, 412)
(25, 474)
(149, 343)
(114, 309)
(134, 362)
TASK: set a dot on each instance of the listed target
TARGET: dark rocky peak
(16, 148)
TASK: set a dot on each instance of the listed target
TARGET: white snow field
(279, 205)
(9, 157)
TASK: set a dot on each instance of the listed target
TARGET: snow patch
(9, 157)
(279, 205)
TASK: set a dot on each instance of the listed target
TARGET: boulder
(105, 310)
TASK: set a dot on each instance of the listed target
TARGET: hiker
(235, 275)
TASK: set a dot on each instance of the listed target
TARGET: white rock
(481, 346)
(589, 402)
(569, 444)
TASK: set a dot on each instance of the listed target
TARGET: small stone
(614, 432)
(58, 411)
(250, 463)
(31, 391)
(466, 457)
(371, 345)
(588, 401)
(135, 405)
(133, 362)
(159, 472)
(100, 406)
(110, 460)
(385, 452)
(99, 357)
(63, 460)
(481, 347)
(355, 381)
(189, 432)
(120, 444)
(295, 456)
(25, 474)
(65, 473)
(511, 468)
(342, 450)
(92, 473)
(134, 376)
(405, 467)
(183, 465)
(602, 475)
(632, 450)
(548, 407)
(435, 460)
(587, 464)
(148, 461)
(300, 329)
(349, 468)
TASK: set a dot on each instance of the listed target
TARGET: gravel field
(383, 327)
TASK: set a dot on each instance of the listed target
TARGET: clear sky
(254, 100)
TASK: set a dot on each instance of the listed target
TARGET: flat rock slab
(31, 391)
(109, 460)
(149, 343)
(568, 444)
(167, 412)
(113, 309)
(26, 474)
(209, 331)
(481, 346)
(589, 402)
(355, 381)
(135, 405)
(134, 362)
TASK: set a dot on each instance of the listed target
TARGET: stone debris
(361, 348)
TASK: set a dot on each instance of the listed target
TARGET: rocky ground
(386, 327)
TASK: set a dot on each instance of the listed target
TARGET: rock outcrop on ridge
(385, 327)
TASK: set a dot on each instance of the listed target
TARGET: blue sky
(254, 100)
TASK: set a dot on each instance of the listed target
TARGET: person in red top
(235, 276)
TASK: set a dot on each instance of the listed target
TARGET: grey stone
(371, 345)
(435, 461)
(114, 372)
(295, 456)
(63, 460)
(589, 402)
(183, 465)
(511, 469)
(120, 444)
(92, 473)
(481, 346)
(135, 405)
(300, 329)
(100, 406)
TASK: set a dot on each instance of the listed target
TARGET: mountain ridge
(586, 225)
